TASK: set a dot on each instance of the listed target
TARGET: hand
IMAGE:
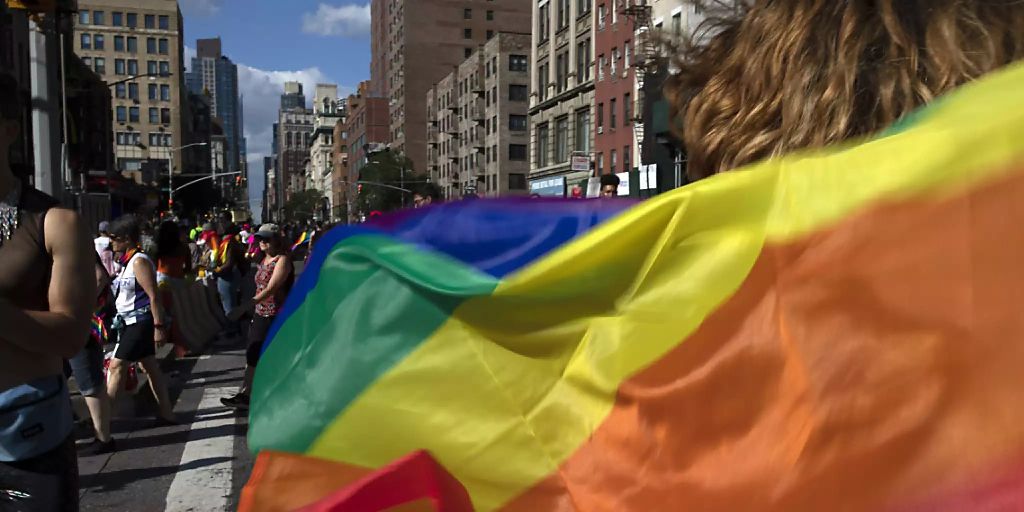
(160, 336)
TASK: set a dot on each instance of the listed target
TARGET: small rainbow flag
(304, 238)
(836, 329)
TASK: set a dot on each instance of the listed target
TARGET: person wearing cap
(103, 248)
(273, 281)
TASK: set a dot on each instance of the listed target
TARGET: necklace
(9, 212)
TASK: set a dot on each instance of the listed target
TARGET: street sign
(580, 163)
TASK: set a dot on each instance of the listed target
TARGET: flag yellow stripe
(514, 382)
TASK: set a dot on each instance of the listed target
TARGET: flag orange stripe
(285, 481)
(860, 368)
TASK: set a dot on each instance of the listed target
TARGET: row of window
(627, 112)
(129, 44)
(612, 64)
(124, 19)
(613, 159)
(129, 67)
(131, 115)
(561, 139)
(562, 64)
(564, 13)
(131, 91)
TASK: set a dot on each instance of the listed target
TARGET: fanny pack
(131, 318)
(35, 418)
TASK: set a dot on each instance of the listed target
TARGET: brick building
(614, 92)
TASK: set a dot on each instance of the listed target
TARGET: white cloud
(262, 92)
(338, 20)
(200, 7)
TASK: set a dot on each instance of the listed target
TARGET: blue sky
(276, 41)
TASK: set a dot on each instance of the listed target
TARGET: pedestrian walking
(103, 248)
(140, 316)
(46, 297)
(226, 267)
(274, 277)
(87, 368)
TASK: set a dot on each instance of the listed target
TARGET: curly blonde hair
(770, 76)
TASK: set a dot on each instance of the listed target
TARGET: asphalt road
(199, 465)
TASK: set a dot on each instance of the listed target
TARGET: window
(97, 41)
(600, 164)
(625, 159)
(133, 67)
(542, 83)
(117, 19)
(490, 34)
(87, 61)
(517, 123)
(516, 181)
(83, 17)
(490, 15)
(614, 63)
(154, 115)
(165, 23)
(563, 14)
(165, 116)
(150, 21)
(133, 114)
(582, 7)
(133, 91)
(467, 52)
(600, 115)
(627, 116)
(133, 45)
(518, 92)
(165, 93)
(517, 62)
(122, 114)
(562, 139)
(165, 68)
(677, 23)
(612, 168)
(164, 50)
(118, 43)
(583, 61)
(86, 42)
(119, 68)
(467, 33)
(467, 14)
(517, 152)
(543, 20)
(100, 65)
(97, 18)
(119, 91)
(601, 12)
(611, 113)
(625, 54)
(152, 91)
(561, 80)
(583, 130)
(132, 20)
(151, 67)
(542, 145)
(600, 67)
(151, 45)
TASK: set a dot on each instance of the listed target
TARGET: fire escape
(644, 62)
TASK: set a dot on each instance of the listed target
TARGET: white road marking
(200, 485)
(204, 357)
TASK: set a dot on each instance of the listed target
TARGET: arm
(102, 279)
(277, 280)
(146, 277)
(61, 331)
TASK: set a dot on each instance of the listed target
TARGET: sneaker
(98, 447)
(239, 401)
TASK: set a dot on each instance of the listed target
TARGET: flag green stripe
(376, 300)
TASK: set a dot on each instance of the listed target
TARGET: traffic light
(238, 180)
(359, 188)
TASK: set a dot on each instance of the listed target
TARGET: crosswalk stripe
(203, 481)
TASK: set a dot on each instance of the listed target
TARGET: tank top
(269, 306)
(128, 294)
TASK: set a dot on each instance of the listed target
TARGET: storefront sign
(548, 187)
(580, 163)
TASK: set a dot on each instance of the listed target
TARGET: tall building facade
(328, 111)
(366, 128)
(214, 76)
(379, 49)
(423, 42)
(136, 46)
(478, 127)
(615, 91)
(294, 136)
(562, 96)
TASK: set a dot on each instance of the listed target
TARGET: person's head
(104, 228)
(776, 76)
(610, 185)
(270, 240)
(125, 233)
(426, 194)
(9, 114)
(168, 238)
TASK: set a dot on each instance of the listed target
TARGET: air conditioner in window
(600, 130)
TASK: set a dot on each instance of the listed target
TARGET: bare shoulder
(65, 232)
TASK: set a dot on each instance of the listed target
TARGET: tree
(383, 178)
(302, 205)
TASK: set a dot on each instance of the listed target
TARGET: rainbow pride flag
(831, 330)
(303, 239)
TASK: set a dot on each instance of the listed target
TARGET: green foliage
(385, 168)
(302, 205)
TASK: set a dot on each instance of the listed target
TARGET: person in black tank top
(46, 294)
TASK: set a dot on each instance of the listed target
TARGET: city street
(200, 465)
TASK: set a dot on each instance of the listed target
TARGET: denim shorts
(87, 367)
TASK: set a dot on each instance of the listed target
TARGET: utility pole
(44, 68)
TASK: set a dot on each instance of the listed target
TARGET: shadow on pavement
(115, 480)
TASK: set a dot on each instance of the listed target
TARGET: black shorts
(258, 331)
(136, 341)
(48, 482)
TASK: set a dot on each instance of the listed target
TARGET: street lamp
(170, 171)
(136, 77)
